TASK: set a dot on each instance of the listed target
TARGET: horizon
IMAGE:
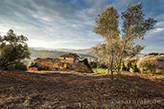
(60, 49)
(68, 24)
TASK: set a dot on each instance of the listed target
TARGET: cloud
(160, 24)
(67, 23)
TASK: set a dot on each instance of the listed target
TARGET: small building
(69, 58)
(49, 59)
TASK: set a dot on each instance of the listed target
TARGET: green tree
(116, 46)
(13, 49)
(85, 61)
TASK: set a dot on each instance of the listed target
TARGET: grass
(139, 88)
(98, 71)
(108, 106)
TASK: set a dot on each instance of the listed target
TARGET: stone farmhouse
(68, 61)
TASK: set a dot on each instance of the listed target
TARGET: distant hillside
(82, 51)
(158, 56)
(56, 53)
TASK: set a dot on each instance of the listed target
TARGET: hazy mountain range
(56, 53)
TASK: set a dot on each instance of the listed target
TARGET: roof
(70, 55)
(56, 59)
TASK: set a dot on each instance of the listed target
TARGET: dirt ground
(61, 90)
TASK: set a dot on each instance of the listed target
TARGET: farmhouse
(68, 61)
(69, 58)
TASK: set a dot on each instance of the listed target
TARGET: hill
(158, 56)
(56, 53)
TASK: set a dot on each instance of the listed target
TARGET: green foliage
(93, 64)
(131, 70)
(101, 65)
(124, 68)
(34, 65)
(85, 62)
(131, 65)
(159, 67)
(108, 106)
(20, 66)
(96, 70)
(117, 47)
(159, 70)
(161, 59)
(152, 64)
(13, 49)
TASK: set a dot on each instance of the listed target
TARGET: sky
(69, 23)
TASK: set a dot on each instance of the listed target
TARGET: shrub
(20, 66)
(93, 64)
(159, 67)
(85, 61)
(131, 64)
(34, 65)
(141, 63)
(159, 71)
(124, 68)
(152, 64)
(131, 70)
(149, 72)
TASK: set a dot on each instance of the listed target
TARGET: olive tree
(119, 44)
(13, 48)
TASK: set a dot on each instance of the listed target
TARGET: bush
(159, 67)
(159, 70)
(123, 67)
(131, 70)
(20, 66)
(93, 64)
(102, 66)
(149, 71)
(85, 61)
(33, 65)
(131, 64)
(141, 63)
(152, 64)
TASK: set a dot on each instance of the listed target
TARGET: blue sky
(69, 23)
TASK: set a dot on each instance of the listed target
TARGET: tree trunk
(111, 74)
(118, 73)
(108, 71)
